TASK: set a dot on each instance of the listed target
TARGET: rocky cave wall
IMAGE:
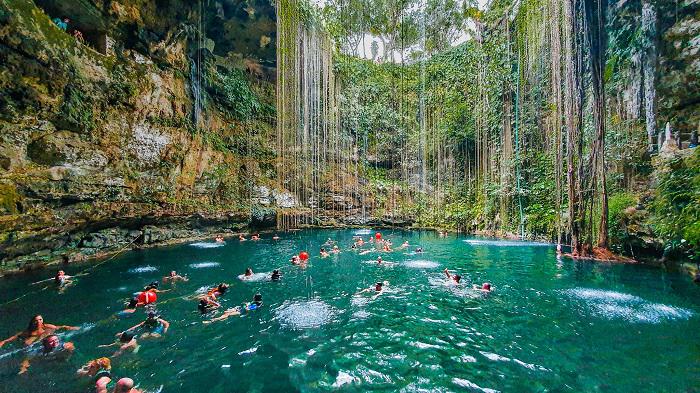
(100, 150)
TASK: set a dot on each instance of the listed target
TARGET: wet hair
(323, 249)
(203, 306)
(248, 271)
(457, 277)
(133, 303)
(152, 285)
(125, 337)
(222, 288)
(486, 286)
(257, 298)
(33, 324)
(152, 315)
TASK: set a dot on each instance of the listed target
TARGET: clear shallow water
(550, 325)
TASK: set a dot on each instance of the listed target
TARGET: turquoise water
(550, 325)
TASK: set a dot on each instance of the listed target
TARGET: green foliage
(676, 206)
(233, 94)
(618, 203)
(77, 108)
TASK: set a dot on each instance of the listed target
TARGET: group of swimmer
(154, 326)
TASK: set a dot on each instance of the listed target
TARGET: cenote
(550, 324)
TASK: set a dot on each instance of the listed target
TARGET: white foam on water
(464, 358)
(504, 243)
(465, 383)
(207, 244)
(202, 290)
(423, 345)
(204, 265)
(256, 277)
(498, 358)
(616, 305)
(248, 351)
(344, 378)
(143, 269)
(363, 232)
(421, 264)
(304, 314)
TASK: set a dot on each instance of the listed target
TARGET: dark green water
(550, 325)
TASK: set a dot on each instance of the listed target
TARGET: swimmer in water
(404, 245)
(96, 368)
(485, 287)
(153, 327)
(124, 385)
(219, 239)
(130, 308)
(456, 278)
(205, 305)
(255, 237)
(36, 330)
(254, 305)
(126, 342)
(354, 246)
(215, 292)
(242, 238)
(62, 279)
(324, 253)
(275, 237)
(379, 260)
(295, 260)
(377, 289)
(336, 250)
(51, 348)
(419, 250)
(387, 247)
(153, 287)
(248, 273)
(174, 277)
(276, 275)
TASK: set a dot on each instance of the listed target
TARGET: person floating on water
(217, 291)
(206, 305)
(404, 245)
(241, 238)
(377, 289)
(336, 250)
(485, 287)
(456, 278)
(130, 308)
(62, 279)
(254, 305)
(295, 260)
(36, 330)
(219, 239)
(379, 260)
(52, 348)
(276, 275)
(174, 277)
(153, 327)
(324, 253)
(96, 368)
(126, 342)
(248, 273)
(255, 237)
(124, 385)
(387, 246)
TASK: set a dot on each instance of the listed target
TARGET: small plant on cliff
(233, 94)
(76, 110)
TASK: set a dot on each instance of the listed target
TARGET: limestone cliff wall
(103, 136)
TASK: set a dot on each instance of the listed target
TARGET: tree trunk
(649, 68)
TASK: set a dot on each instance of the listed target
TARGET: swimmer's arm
(10, 339)
(166, 325)
(133, 327)
(447, 273)
(107, 345)
(66, 327)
